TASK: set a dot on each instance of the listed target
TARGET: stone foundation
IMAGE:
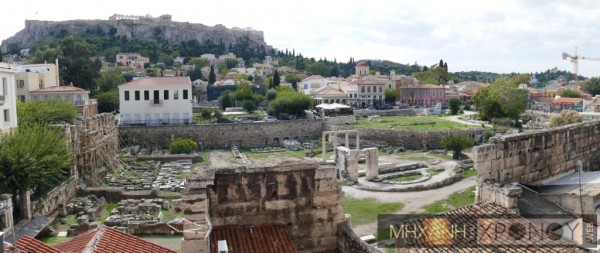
(413, 140)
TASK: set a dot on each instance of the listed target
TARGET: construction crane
(575, 60)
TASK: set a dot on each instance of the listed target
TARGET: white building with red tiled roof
(315, 82)
(74, 95)
(156, 101)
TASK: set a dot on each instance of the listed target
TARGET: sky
(497, 36)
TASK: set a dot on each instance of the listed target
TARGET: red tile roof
(158, 81)
(29, 244)
(263, 238)
(60, 89)
(362, 64)
(110, 240)
(567, 101)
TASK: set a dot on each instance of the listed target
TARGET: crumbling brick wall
(301, 195)
(259, 134)
(529, 157)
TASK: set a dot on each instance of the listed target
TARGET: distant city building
(362, 68)
(156, 101)
(74, 95)
(133, 60)
(424, 95)
(8, 99)
(32, 77)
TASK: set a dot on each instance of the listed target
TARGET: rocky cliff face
(173, 32)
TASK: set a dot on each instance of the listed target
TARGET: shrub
(503, 122)
(182, 146)
(566, 117)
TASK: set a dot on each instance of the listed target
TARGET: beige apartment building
(32, 77)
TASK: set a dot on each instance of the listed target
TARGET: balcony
(156, 102)
(80, 102)
(1, 99)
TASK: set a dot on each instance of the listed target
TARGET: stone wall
(258, 134)
(301, 195)
(118, 193)
(60, 195)
(340, 120)
(166, 158)
(529, 157)
(348, 241)
(393, 112)
(412, 140)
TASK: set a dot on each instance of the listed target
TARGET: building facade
(369, 93)
(8, 99)
(32, 77)
(77, 96)
(156, 101)
(133, 60)
(423, 95)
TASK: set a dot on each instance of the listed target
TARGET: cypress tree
(212, 78)
(276, 79)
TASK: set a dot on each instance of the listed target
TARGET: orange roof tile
(110, 240)
(362, 64)
(263, 238)
(153, 81)
(29, 244)
(60, 89)
(567, 100)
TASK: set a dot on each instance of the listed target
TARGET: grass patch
(441, 156)
(405, 178)
(409, 123)
(53, 240)
(169, 215)
(109, 207)
(299, 154)
(455, 200)
(469, 173)
(435, 170)
(365, 210)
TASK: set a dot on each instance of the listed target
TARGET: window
(22, 98)
(146, 95)
(362, 89)
(185, 94)
(41, 83)
(433, 94)
(4, 86)
(176, 94)
(137, 95)
(126, 95)
(380, 89)
(441, 93)
(20, 84)
(166, 95)
(6, 115)
(368, 89)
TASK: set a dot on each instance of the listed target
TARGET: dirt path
(414, 201)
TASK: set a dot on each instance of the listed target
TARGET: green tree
(182, 146)
(206, 113)
(226, 99)
(108, 101)
(390, 96)
(34, 157)
(571, 94)
(276, 79)
(271, 95)
(197, 61)
(454, 105)
(249, 105)
(318, 68)
(45, 112)
(566, 117)
(46, 55)
(501, 99)
(293, 79)
(434, 75)
(592, 86)
(457, 143)
(212, 78)
(110, 79)
(196, 73)
(165, 59)
(77, 65)
(290, 102)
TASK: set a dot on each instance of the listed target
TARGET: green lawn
(405, 178)
(435, 170)
(455, 200)
(365, 210)
(408, 123)
(53, 240)
(469, 173)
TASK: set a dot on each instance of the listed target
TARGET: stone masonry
(531, 157)
(299, 194)
(411, 139)
(259, 134)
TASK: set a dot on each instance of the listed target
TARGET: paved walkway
(414, 201)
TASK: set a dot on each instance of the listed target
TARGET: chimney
(221, 246)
